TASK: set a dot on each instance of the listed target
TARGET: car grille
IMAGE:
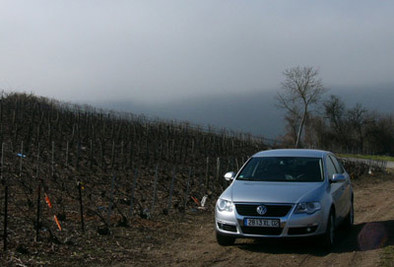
(261, 230)
(272, 210)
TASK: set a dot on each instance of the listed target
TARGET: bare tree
(335, 111)
(301, 89)
(358, 118)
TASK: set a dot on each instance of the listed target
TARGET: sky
(153, 52)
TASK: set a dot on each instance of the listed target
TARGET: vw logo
(261, 209)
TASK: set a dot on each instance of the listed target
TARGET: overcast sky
(163, 51)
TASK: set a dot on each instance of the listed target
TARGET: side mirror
(229, 176)
(338, 178)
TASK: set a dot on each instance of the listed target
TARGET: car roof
(311, 153)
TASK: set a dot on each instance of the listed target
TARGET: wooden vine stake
(38, 212)
(5, 200)
(133, 191)
(80, 187)
(5, 217)
(38, 196)
(207, 175)
(171, 189)
(53, 160)
(111, 201)
(154, 196)
(217, 168)
(21, 160)
(187, 188)
(67, 154)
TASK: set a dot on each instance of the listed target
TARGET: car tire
(328, 238)
(349, 219)
(224, 240)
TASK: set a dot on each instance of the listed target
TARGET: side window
(338, 166)
(330, 167)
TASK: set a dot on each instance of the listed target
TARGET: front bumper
(291, 225)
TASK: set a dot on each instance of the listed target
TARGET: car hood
(274, 192)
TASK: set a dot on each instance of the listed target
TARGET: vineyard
(75, 169)
(80, 181)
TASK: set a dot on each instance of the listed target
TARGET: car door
(336, 189)
(345, 187)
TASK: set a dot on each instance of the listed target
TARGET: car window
(279, 169)
(337, 164)
(331, 170)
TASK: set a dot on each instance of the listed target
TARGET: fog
(158, 54)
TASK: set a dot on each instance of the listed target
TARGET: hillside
(112, 167)
(86, 186)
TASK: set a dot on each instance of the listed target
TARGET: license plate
(262, 222)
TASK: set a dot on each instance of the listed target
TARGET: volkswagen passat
(285, 193)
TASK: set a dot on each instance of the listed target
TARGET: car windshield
(282, 169)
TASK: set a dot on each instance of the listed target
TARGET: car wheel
(349, 220)
(224, 240)
(329, 236)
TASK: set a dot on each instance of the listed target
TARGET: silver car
(285, 193)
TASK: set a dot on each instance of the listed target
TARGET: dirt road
(193, 240)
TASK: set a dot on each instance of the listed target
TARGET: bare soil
(189, 240)
(195, 244)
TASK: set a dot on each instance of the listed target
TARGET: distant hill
(253, 112)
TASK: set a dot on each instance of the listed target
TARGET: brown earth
(189, 240)
(194, 243)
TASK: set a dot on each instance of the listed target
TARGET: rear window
(282, 169)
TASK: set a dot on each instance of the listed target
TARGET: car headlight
(225, 205)
(307, 207)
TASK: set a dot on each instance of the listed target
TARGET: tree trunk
(297, 144)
